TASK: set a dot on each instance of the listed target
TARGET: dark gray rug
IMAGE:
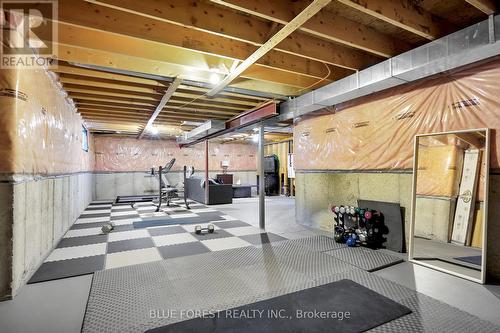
(475, 260)
(342, 306)
(148, 222)
(129, 199)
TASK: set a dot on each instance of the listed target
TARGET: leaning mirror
(450, 202)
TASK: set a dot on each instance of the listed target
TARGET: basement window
(85, 139)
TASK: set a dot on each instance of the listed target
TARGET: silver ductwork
(207, 128)
(475, 43)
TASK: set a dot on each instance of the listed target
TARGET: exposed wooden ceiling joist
(139, 119)
(488, 7)
(267, 47)
(90, 77)
(404, 15)
(295, 72)
(149, 66)
(218, 20)
(180, 96)
(86, 104)
(105, 97)
(148, 102)
(66, 68)
(140, 114)
(325, 25)
(114, 28)
(99, 83)
(78, 88)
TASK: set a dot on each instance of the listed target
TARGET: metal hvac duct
(475, 43)
(207, 128)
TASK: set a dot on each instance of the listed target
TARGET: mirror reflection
(449, 202)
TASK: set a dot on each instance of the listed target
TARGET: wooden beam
(325, 24)
(65, 68)
(100, 108)
(139, 119)
(97, 104)
(122, 83)
(164, 100)
(108, 101)
(98, 83)
(488, 7)
(472, 139)
(290, 27)
(107, 97)
(125, 107)
(109, 92)
(105, 21)
(207, 103)
(191, 108)
(222, 99)
(104, 102)
(149, 66)
(124, 95)
(165, 112)
(402, 14)
(208, 18)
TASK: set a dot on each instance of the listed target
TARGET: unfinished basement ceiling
(117, 58)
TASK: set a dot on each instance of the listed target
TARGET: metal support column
(206, 172)
(262, 192)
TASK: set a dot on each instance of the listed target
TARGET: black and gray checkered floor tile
(84, 249)
(121, 300)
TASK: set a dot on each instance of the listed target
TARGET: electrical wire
(319, 81)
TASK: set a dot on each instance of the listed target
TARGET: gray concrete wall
(42, 210)
(434, 217)
(6, 219)
(316, 191)
(109, 185)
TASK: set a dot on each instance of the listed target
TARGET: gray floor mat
(124, 299)
(366, 259)
(362, 300)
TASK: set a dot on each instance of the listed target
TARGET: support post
(262, 192)
(206, 172)
(160, 188)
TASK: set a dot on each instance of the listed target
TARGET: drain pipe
(262, 192)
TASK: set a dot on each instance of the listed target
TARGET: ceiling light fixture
(214, 78)
(153, 130)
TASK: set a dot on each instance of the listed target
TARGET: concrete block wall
(316, 191)
(42, 210)
(6, 218)
(434, 217)
(109, 185)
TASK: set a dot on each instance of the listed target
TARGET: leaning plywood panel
(477, 232)
(439, 170)
(467, 198)
(376, 132)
